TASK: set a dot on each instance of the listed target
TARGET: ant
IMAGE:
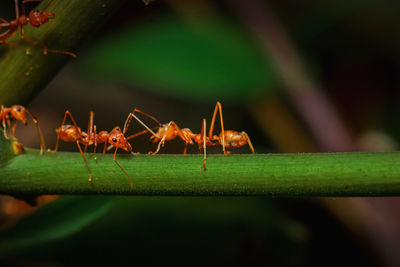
(19, 113)
(73, 133)
(170, 131)
(165, 132)
(228, 138)
(35, 18)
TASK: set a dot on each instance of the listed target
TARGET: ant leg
(249, 142)
(5, 23)
(39, 131)
(147, 115)
(22, 35)
(95, 143)
(90, 130)
(159, 146)
(162, 140)
(3, 42)
(130, 181)
(46, 50)
(17, 9)
(132, 115)
(129, 120)
(84, 159)
(3, 121)
(67, 113)
(5, 35)
(105, 147)
(203, 134)
(185, 149)
(5, 130)
(218, 107)
(140, 133)
(13, 127)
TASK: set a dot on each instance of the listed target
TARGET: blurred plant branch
(305, 93)
(24, 75)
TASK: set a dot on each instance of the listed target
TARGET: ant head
(19, 113)
(37, 17)
(118, 140)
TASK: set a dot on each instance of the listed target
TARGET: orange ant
(165, 132)
(73, 133)
(170, 131)
(19, 113)
(228, 138)
(35, 18)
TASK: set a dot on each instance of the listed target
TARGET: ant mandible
(35, 18)
(73, 133)
(19, 113)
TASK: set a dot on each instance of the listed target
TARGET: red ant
(19, 113)
(73, 133)
(165, 132)
(228, 138)
(35, 18)
(170, 131)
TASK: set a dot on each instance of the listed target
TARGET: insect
(73, 133)
(170, 131)
(35, 18)
(19, 113)
(165, 132)
(228, 138)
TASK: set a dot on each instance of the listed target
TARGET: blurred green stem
(289, 175)
(23, 75)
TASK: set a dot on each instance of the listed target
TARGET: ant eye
(36, 11)
(114, 140)
(18, 109)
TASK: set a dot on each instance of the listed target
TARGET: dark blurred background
(297, 76)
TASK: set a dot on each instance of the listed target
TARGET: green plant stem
(22, 75)
(289, 175)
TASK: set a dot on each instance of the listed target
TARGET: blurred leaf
(159, 230)
(59, 219)
(206, 60)
(146, 2)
